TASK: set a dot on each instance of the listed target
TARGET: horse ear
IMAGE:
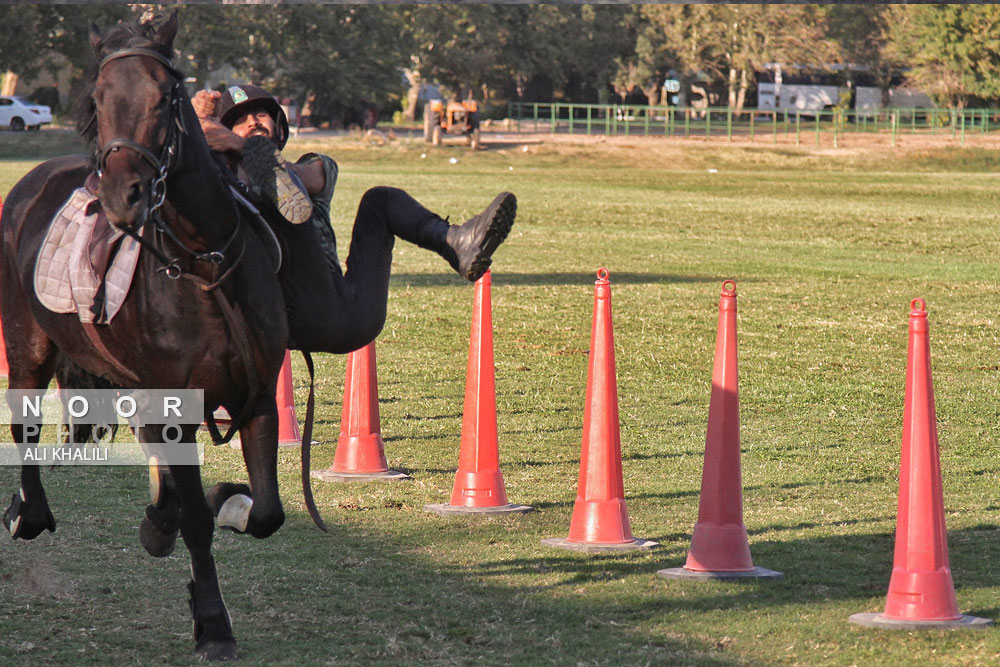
(165, 35)
(95, 37)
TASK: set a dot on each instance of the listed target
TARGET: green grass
(827, 251)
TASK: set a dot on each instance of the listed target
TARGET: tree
(953, 50)
(731, 43)
(861, 32)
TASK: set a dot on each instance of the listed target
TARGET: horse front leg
(254, 509)
(213, 630)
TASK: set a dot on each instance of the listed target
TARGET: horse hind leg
(28, 514)
(159, 527)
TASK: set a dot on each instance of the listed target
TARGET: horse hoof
(235, 513)
(156, 542)
(24, 521)
(213, 649)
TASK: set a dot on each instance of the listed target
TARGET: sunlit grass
(827, 253)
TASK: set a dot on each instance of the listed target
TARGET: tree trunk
(732, 86)
(741, 97)
(412, 94)
(652, 95)
(9, 83)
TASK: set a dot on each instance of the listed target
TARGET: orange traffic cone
(719, 545)
(288, 425)
(600, 519)
(360, 454)
(479, 486)
(921, 592)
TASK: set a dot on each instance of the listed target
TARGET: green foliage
(954, 51)
(826, 249)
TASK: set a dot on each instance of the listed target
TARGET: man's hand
(220, 138)
(206, 102)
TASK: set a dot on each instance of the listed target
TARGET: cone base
(453, 510)
(880, 621)
(684, 573)
(379, 476)
(600, 547)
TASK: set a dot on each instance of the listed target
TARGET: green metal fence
(755, 124)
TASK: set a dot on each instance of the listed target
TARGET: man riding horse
(203, 308)
(330, 310)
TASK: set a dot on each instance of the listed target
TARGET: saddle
(85, 266)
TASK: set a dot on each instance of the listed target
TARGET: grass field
(826, 248)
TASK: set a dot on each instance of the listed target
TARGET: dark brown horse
(205, 310)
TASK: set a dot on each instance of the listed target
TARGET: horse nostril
(134, 194)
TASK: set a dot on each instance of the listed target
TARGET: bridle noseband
(164, 165)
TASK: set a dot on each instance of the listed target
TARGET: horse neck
(196, 189)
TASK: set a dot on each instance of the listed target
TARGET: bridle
(163, 165)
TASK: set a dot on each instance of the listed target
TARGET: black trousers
(334, 311)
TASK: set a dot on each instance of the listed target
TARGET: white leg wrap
(235, 512)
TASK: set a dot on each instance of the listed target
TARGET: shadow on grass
(540, 279)
(352, 596)
(816, 569)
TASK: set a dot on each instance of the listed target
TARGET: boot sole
(263, 162)
(501, 212)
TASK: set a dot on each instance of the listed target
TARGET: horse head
(136, 118)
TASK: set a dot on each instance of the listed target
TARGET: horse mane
(124, 35)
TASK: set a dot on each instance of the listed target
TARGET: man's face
(256, 122)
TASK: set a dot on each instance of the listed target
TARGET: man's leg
(334, 312)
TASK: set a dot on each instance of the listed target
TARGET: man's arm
(223, 140)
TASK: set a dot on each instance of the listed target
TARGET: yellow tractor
(454, 118)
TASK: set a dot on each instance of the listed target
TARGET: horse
(205, 310)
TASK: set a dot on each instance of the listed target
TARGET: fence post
(687, 122)
(893, 119)
(836, 129)
(753, 115)
(954, 123)
(798, 127)
(708, 123)
(774, 127)
(645, 120)
(963, 127)
(553, 106)
(729, 123)
(819, 114)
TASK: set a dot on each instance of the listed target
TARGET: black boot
(275, 182)
(469, 247)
